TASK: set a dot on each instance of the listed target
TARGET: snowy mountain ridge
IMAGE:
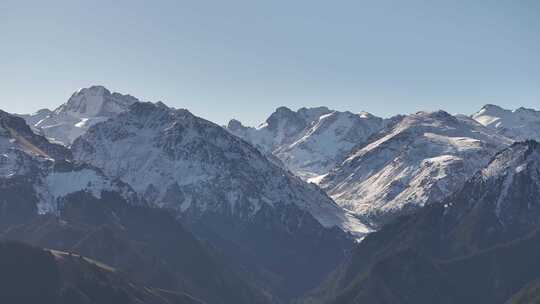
(310, 141)
(96, 101)
(244, 191)
(225, 191)
(419, 160)
(520, 124)
(369, 165)
(186, 163)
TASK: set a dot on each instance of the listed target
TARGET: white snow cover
(85, 108)
(62, 183)
(520, 124)
(419, 160)
(20, 157)
(310, 141)
(186, 163)
(56, 185)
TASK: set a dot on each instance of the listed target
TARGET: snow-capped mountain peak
(223, 188)
(366, 115)
(312, 114)
(189, 164)
(519, 124)
(85, 107)
(95, 101)
(309, 141)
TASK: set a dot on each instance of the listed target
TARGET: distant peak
(99, 88)
(312, 114)
(312, 109)
(182, 112)
(491, 109)
(490, 106)
(526, 110)
(234, 125)
(439, 114)
(146, 109)
(95, 101)
(94, 90)
(365, 114)
(442, 113)
(280, 113)
(43, 112)
(283, 109)
(160, 104)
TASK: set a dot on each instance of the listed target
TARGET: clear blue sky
(242, 59)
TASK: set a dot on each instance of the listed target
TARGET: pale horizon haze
(243, 59)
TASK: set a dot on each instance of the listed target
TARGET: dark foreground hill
(30, 275)
(146, 244)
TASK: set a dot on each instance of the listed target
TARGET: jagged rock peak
(310, 114)
(281, 113)
(95, 101)
(492, 107)
(519, 124)
(304, 114)
(526, 110)
(159, 112)
(365, 114)
(439, 114)
(94, 89)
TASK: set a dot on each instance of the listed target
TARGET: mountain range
(480, 245)
(311, 206)
(58, 204)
